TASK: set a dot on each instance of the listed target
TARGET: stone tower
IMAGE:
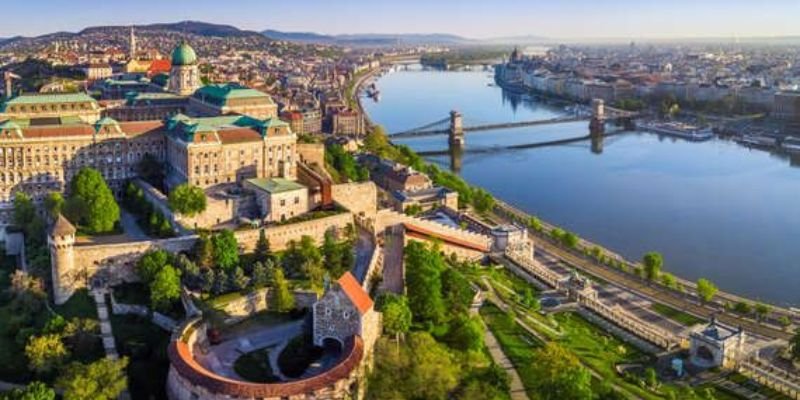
(597, 124)
(133, 45)
(62, 259)
(184, 76)
(456, 138)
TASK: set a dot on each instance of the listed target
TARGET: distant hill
(188, 27)
(368, 39)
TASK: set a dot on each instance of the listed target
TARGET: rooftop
(54, 98)
(357, 295)
(275, 185)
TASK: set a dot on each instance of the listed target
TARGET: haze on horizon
(561, 19)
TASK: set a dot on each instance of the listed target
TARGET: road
(656, 293)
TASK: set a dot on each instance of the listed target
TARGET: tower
(132, 56)
(61, 241)
(184, 76)
(597, 124)
(456, 138)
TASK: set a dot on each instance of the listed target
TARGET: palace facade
(209, 135)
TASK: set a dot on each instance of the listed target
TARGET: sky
(470, 18)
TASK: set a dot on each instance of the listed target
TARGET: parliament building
(204, 135)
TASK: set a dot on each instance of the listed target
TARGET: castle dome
(184, 55)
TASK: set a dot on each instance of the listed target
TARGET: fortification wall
(257, 301)
(358, 197)
(311, 153)
(75, 267)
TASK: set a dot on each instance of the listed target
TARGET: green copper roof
(50, 98)
(184, 55)
(275, 185)
(227, 91)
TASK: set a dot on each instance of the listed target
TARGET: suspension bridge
(442, 126)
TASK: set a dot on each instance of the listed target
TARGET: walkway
(364, 249)
(106, 333)
(393, 275)
(517, 389)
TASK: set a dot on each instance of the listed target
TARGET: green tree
(104, 379)
(558, 374)
(53, 204)
(456, 291)
(706, 290)
(570, 239)
(262, 274)
(204, 251)
(92, 203)
(188, 200)
(423, 282)
(24, 215)
(165, 287)
(238, 280)
(34, 391)
(742, 308)
(794, 346)
(652, 265)
(282, 298)
(151, 263)
(396, 315)
(226, 249)
(435, 372)
(535, 224)
(262, 251)
(669, 280)
(466, 334)
(762, 310)
(332, 254)
(45, 352)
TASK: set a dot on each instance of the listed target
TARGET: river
(714, 209)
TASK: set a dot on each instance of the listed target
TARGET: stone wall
(311, 153)
(75, 267)
(358, 197)
(242, 307)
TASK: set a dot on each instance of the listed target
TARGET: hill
(369, 39)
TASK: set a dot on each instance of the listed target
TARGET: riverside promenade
(652, 291)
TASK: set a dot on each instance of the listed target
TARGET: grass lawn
(254, 367)
(676, 315)
(145, 345)
(298, 355)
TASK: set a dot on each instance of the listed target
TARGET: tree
(262, 274)
(151, 264)
(188, 200)
(34, 391)
(92, 202)
(742, 308)
(456, 291)
(237, 278)
(282, 298)
(53, 204)
(535, 224)
(204, 251)
(706, 290)
(24, 216)
(165, 287)
(558, 374)
(262, 251)
(104, 379)
(332, 254)
(651, 378)
(45, 352)
(434, 374)
(466, 334)
(226, 249)
(794, 346)
(762, 310)
(151, 170)
(396, 314)
(652, 262)
(423, 282)
(27, 293)
(669, 280)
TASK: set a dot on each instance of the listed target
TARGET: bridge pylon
(597, 126)
(456, 134)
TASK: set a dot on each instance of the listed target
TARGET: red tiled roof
(159, 66)
(357, 295)
(141, 127)
(238, 135)
(181, 358)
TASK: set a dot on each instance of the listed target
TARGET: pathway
(106, 333)
(393, 276)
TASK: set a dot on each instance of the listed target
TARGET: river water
(714, 209)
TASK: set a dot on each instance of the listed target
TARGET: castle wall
(311, 153)
(257, 301)
(357, 197)
(74, 266)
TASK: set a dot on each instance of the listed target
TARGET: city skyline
(573, 19)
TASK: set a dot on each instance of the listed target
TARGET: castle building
(184, 77)
(217, 134)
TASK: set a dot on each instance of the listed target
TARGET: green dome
(184, 55)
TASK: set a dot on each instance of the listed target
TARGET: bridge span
(427, 131)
